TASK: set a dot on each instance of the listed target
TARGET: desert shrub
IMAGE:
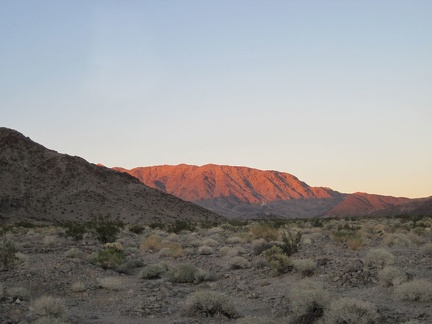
(205, 250)
(181, 225)
(228, 251)
(265, 231)
(74, 253)
(306, 267)
(1, 290)
(78, 287)
(49, 240)
(20, 293)
(188, 273)
(104, 229)
(136, 228)
(355, 243)
(173, 250)
(114, 246)
(75, 230)
(111, 283)
(234, 240)
(129, 266)
(7, 254)
(396, 240)
(414, 238)
(426, 249)
(209, 304)
(351, 311)
(193, 242)
(290, 243)
(238, 262)
(308, 301)
(109, 258)
(260, 245)
(278, 261)
(21, 257)
(153, 242)
(153, 271)
(210, 242)
(379, 258)
(184, 272)
(391, 276)
(50, 306)
(416, 290)
(255, 320)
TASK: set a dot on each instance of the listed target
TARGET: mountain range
(38, 184)
(242, 192)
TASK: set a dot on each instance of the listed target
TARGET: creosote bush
(351, 311)
(290, 243)
(109, 258)
(104, 229)
(416, 290)
(209, 304)
(278, 261)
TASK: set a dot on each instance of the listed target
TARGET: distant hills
(242, 192)
(38, 184)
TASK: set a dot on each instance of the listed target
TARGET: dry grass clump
(187, 273)
(78, 287)
(229, 251)
(20, 293)
(173, 250)
(308, 301)
(209, 304)
(416, 290)
(50, 306)
(264, 231)
(234, 240)
(21, 257)
(153, 242)
(415, 239)
(260, 245)
(111, 283)
(391, 276)
(114, 246)
(255, 320)
(239, 262)
(379, 258)
(49, 240)
(351, 311)
(193, 242)
(74, 253)
(426, 249)
(205, 250)
(153, 271)
(210, 242)
(398, 239)
(306, 267)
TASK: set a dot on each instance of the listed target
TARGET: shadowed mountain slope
(239, 191)
(40, 184)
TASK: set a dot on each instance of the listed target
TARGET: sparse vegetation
(49, 306)
(351, 311)
(153, 271)
(209, 304)
(419, 290)
(278, 261)
(379, 258)
(8, 254)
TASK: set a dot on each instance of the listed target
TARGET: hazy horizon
(336, 93)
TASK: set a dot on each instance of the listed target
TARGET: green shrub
(7, 254)
(181, 225)
(109, 258)
(278, 261)
(75, 230)
(153, 271)
(290, 243)
(136, 228)
(104, 229)
(209, 304)
(185, 272)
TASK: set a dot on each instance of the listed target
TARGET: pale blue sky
(337, 93)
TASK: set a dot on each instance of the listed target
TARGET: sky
(337, 93)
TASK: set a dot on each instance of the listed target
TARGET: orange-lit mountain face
(239, 191)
